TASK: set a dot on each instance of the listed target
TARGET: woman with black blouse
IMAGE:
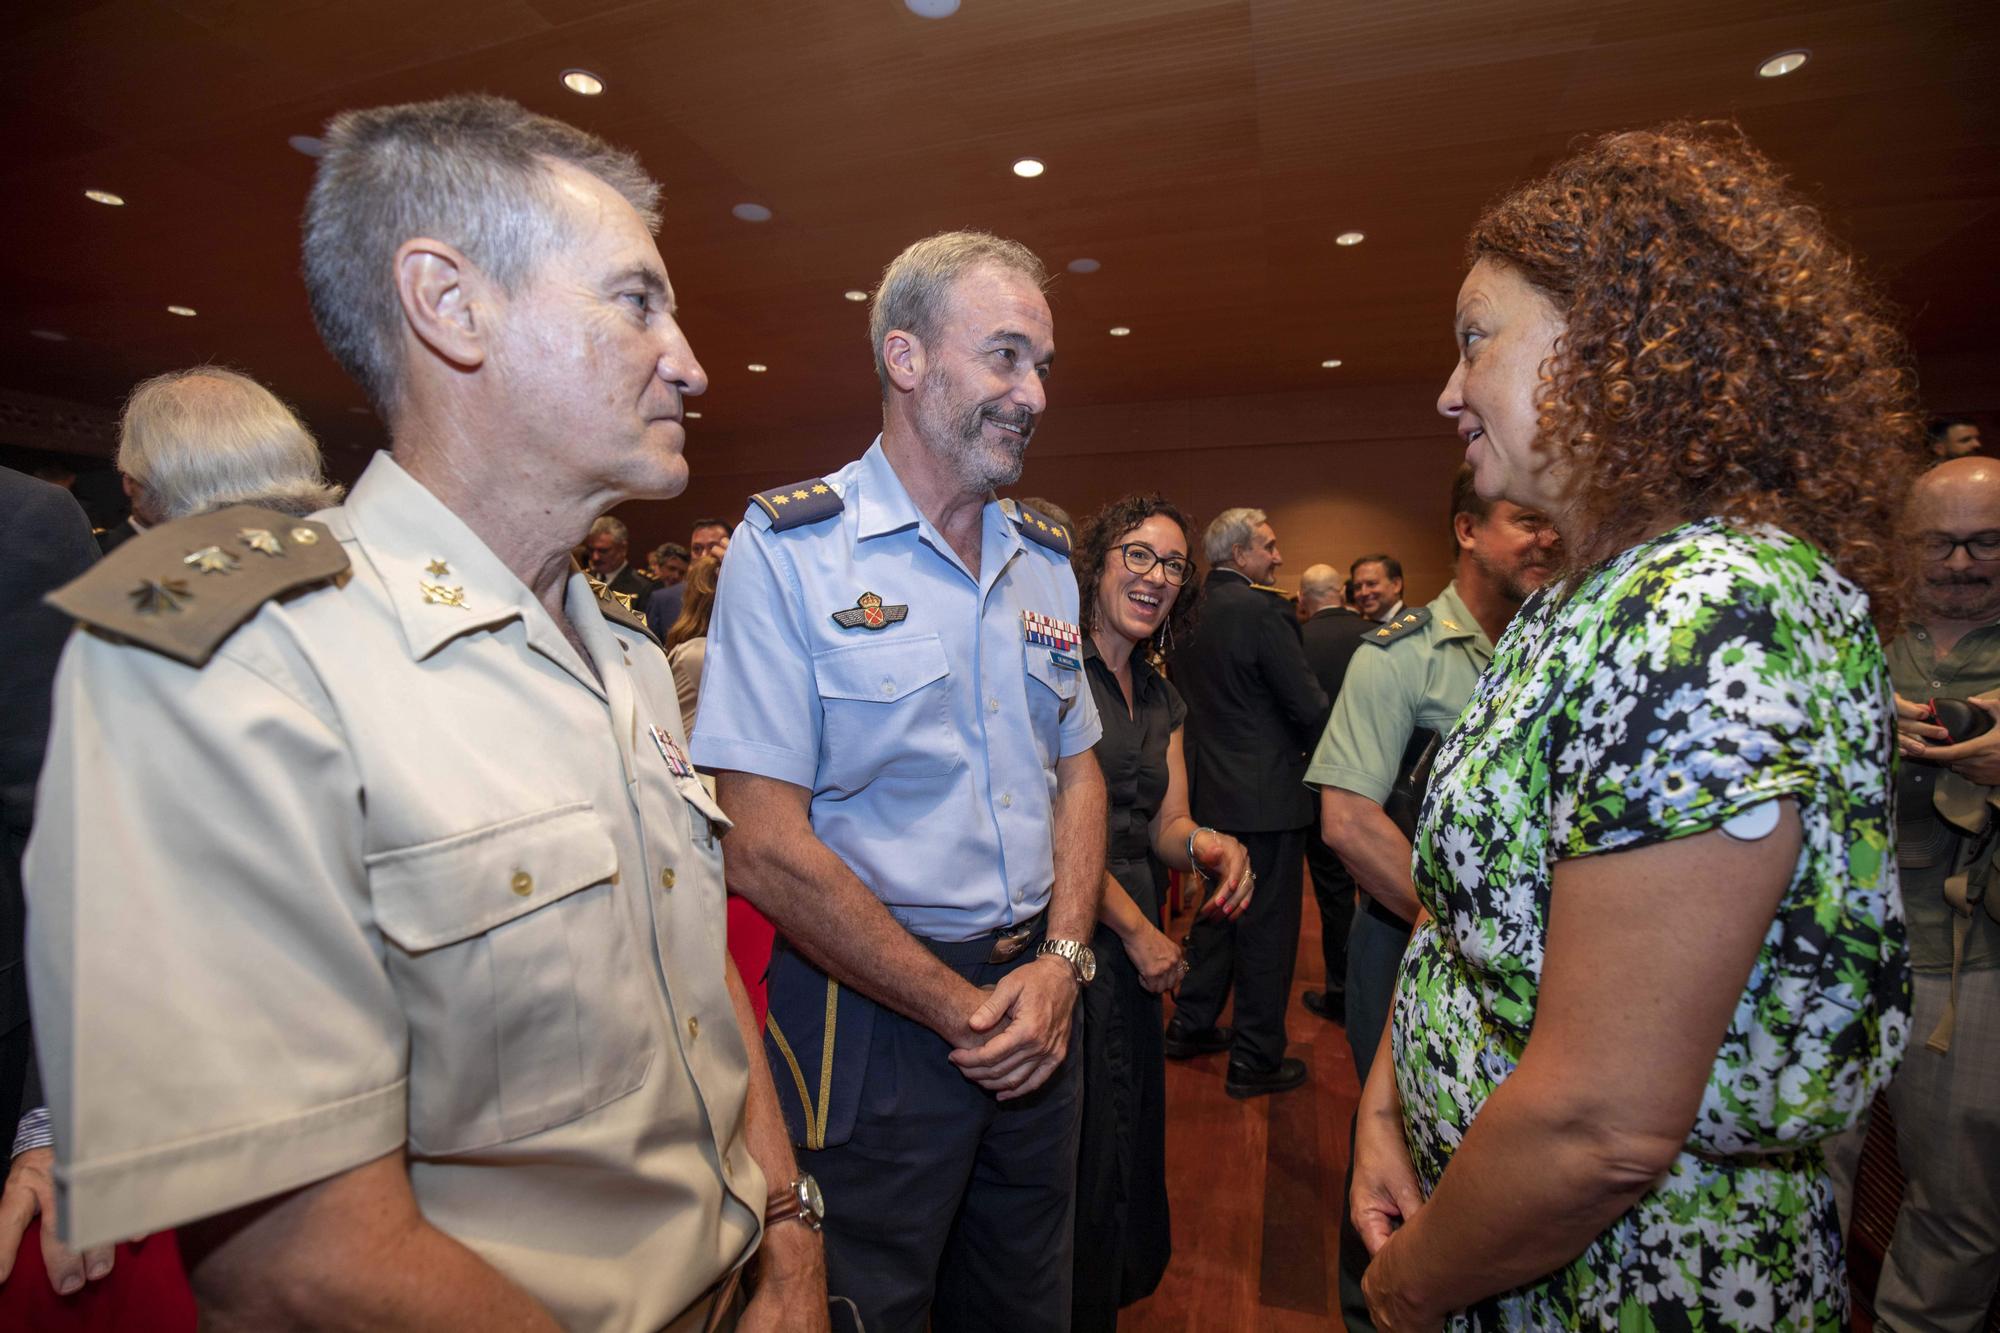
(1135, 574)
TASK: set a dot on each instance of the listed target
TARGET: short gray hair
(918, 282)
(201, 439)
(1231, 529)
(604, 525)
(472, 171)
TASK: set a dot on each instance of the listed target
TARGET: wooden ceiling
(1205, 152)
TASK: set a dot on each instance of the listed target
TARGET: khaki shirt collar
(406, 533)
(1452, 621)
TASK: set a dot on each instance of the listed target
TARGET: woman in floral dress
(1663, 955)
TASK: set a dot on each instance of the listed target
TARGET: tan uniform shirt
(395, 869)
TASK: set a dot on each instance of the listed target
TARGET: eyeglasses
(1140, 559)
(1943, 546)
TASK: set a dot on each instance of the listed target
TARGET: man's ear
(1462, 525)
(903, 354)
(442, 295)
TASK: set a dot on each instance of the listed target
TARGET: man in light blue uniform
(895, 707)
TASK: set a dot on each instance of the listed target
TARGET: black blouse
(1133, 750)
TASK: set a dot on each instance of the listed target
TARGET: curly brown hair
(1093, 548)
(1722, 355)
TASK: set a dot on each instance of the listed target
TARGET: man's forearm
(1372, 848)
(351, 1252)
(1080, 818)
(824, 910)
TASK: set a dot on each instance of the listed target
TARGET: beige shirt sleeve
(686, 660)
(191, 820)
(1371, 723)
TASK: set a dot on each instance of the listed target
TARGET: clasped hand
(1027, 1014)
(1976, 760)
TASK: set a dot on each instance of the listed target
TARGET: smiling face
(1506, 330)
(982, 389)
(1374, 591)
(1134, 606)
(1259, 558)
(595, 365)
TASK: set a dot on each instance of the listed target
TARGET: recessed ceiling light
(309, 144)
(692, 416)
(855, 294)
(48, 335)
(759, 367)
(1084, 266)
(932, 9)
(582, 82)
(1778, 66)
(752, 212)
(1350, 238)
(1120, 331)
(105, 197)
(184, 311)
(1330, 365)
(1029, 167)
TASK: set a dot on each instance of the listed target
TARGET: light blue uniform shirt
(930, 744)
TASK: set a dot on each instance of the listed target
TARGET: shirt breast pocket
(525, 1001)
(885, 712)
(1052, 691)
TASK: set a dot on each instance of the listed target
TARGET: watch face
(1086, 961)
(809, 1196)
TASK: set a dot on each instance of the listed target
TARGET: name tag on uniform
(670, 750)
(1065, 660)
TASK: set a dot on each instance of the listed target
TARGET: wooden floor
(1255, 1186)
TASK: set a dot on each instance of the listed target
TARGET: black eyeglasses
(1943, 546)
(1140, 558)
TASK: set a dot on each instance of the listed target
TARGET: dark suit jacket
(45, 542)
(1254, 709)
(631, 582)
(663, 607)
(1331, 635)
(116, 535)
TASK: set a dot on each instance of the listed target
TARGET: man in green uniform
(1944, 1263)
(1415, 672)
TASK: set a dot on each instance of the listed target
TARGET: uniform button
(1007, 801)
(888, 688)
(694, 1028)
(992, 705)
(667, 878)
(1937, 684)
(523, 883)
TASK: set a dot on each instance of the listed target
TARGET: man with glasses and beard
(1943, 1265)
(1415, 686)
(895, 709)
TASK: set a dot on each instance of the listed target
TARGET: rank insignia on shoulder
(869, 613)
(795, 506)
(1400, 628)
(184, 587)
(618, 606)
(1038, 528)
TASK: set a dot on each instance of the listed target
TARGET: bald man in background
(1943, 1266)
(1330, 632)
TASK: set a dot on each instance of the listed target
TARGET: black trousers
(1254, 956)
(1334, 890)
(948, 1208)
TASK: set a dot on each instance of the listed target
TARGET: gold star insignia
(781, 499)
(153, 596)
(1043, 526)
(799, 495)
(1381, 634)
(437, 594)
(304, 536)
(437, 569)
(624, 599)
(821, 488)
(210, 560)
(260, 539)
(1450, 625)
(1059, 532)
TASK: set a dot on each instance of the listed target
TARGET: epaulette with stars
(182, 588)
(622, 607)
(797, 505)
(1402, 627)
(1037, 528)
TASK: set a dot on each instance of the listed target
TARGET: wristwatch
(1077, 954)
(800, 1199)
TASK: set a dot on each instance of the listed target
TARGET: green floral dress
(1694, 677)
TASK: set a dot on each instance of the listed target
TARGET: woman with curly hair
(1136, 589)
(1663, 955)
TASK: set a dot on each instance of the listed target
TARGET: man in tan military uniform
(377, 915)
